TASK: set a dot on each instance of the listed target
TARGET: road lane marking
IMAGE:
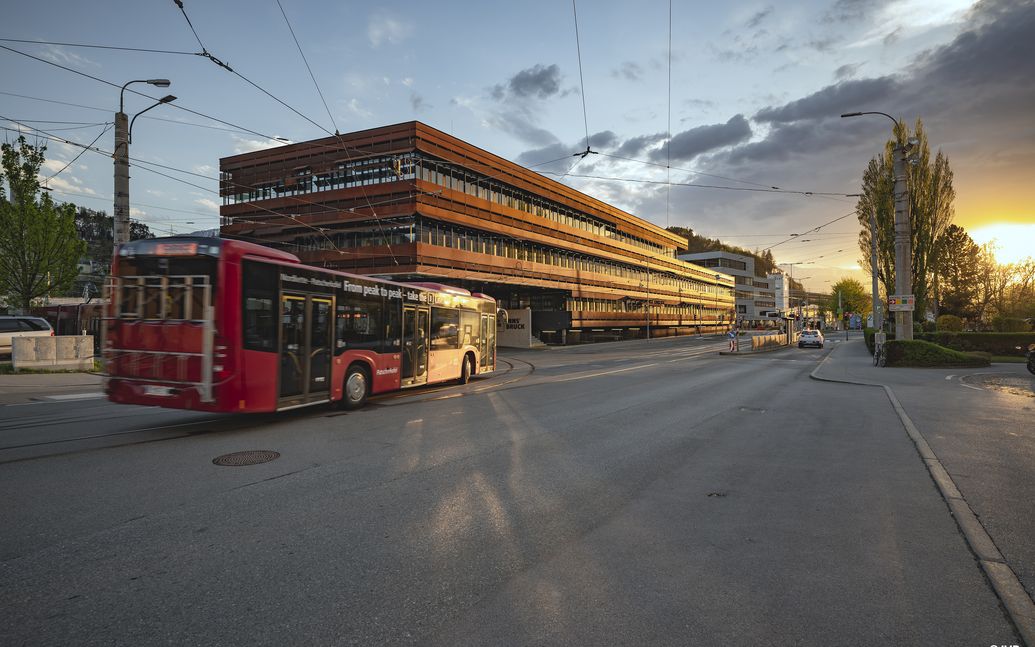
(75, 396)
(949, 377)
(976, 388)
(620, 370)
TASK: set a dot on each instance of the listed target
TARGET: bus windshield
(165, 287)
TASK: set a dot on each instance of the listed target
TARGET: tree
(39, 248)
(764, 263)
(94, 227)
(957, 273)
(931, 197)
(853, 297)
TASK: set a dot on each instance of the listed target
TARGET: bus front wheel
(466, 369)
(357, 387)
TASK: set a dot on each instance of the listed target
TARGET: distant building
(755, 295)
(414, 204)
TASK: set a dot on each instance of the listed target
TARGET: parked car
(810, 338)
(18, 326)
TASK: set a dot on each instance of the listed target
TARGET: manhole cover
(238, 459)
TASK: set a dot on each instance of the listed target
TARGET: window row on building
(432, 232)
(377, 170)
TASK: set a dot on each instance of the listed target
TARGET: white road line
(971, 387)
(949, 377)
(76, 396)
(620, 370)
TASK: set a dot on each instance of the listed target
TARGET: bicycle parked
(880, 350)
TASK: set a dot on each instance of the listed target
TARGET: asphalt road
(635, 493)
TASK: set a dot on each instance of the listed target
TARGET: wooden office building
(414, 204)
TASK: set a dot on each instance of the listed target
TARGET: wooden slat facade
(600, 263)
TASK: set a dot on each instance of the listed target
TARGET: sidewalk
(26, 387)
(968, 438)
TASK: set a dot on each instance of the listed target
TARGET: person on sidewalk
(732, 334)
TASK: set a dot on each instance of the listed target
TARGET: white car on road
(810, 338)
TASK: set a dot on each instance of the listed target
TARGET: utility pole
(123, 138)
(903, 245)
(120, 228)
(903, 240)
(878, 318)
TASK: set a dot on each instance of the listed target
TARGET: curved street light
(123, 130)
(903, 233)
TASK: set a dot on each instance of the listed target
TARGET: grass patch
(919, 353)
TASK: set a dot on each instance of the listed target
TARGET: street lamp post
(123, 128)
(903, 243)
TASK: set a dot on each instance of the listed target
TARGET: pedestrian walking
(732, 334)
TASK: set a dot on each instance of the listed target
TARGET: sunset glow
(1013, 242)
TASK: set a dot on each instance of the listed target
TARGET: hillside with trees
(764, 262)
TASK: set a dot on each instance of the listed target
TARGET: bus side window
(260, 300)
(444, 328)
(393, 326)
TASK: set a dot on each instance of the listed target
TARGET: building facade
(411, 203)
(755, 295)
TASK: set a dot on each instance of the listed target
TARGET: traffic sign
(901, 302)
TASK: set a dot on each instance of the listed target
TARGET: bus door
(483, 342)
(305, 342)
(415, 327)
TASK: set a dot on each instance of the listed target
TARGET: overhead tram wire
(701, 186)
(582, 83)
(668, 139)
(311, 75)
(850, 213)
(112, 47)
(107, 127)
(226, 66)
(144, 165)
(176, 105)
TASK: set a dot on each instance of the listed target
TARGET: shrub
(950, 323)
(917, 352)
(928, 326)
(988, 342)
(1010, 324)
(868, 337)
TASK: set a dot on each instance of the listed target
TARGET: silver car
(19, 326)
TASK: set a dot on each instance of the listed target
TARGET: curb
(1008, 588)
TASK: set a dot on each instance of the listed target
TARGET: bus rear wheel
(357, 387)
(466, 369)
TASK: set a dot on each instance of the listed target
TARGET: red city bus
(223, 325)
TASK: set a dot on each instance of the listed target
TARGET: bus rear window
(165, 287)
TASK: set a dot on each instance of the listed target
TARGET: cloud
(629, 71)
(759, 17)
(204, 169)
(847, 71)
(383, 28)
(634, 146)
(851, 10)
(562, 155)
(689, 144)
(418, 103)
(538, 81)
(68, 184)
(60, 56)
(207, 203)
(832, 100)
(357, 109)
(892, 37)
(136, 213)
(245, 145)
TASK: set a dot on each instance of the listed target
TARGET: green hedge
(918, 352)
(996, 343)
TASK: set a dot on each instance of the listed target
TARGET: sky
(747, 97)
